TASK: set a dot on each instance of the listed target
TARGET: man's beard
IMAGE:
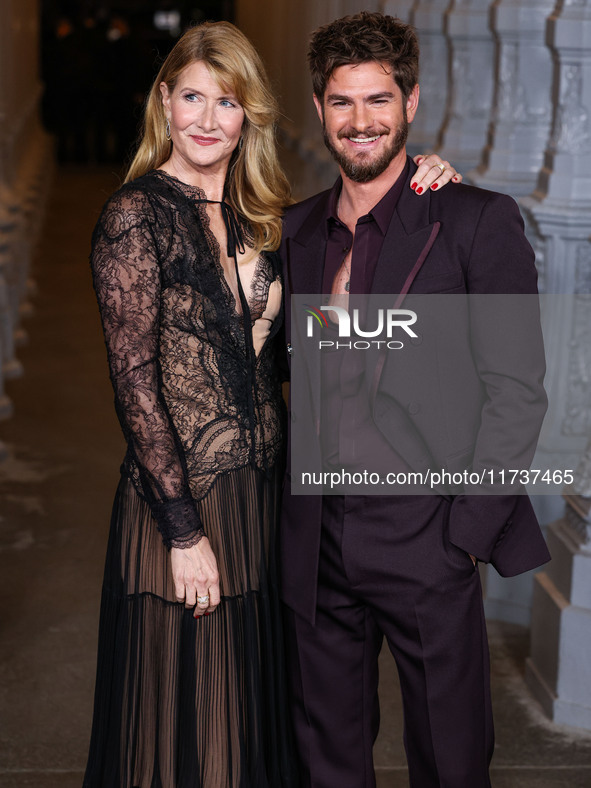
(359, 170)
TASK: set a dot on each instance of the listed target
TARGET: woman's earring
(240, 143)
(168, 134)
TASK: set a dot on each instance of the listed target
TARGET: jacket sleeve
(509, 357)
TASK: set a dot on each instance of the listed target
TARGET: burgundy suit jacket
(457, 240)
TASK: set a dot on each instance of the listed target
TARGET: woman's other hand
(195, 575)
(433, 172)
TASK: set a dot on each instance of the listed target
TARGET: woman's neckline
(181, 183)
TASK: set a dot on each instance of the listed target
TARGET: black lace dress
(180, 702)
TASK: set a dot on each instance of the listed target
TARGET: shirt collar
(382, 212)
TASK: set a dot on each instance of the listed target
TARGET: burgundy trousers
(387, 569)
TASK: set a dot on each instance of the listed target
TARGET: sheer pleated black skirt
(183, 702)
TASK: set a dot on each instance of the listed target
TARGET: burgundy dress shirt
(350, 440)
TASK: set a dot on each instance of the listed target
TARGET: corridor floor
(56, 488)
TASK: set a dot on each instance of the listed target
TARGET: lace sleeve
(126, 276)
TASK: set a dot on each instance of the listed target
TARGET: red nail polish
(435, 185)
(413, 185)
(420, 190)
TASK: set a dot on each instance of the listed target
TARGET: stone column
(471, 90)
(558, 670)
(428, 18)
(522, 111)
(559, 212)
(562, 201)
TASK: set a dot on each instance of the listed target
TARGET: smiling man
(366, 133)
(355, 568)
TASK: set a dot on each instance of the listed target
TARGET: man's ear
(319, 109)
(165, 93)
(412, 102)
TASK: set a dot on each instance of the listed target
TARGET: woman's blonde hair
(256, 186)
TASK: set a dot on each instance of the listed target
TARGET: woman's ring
(441, 166)
(203, 600)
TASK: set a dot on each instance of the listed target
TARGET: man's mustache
(352, 132)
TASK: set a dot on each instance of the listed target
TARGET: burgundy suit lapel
(409, 239)
(306, 250)
(304, 266)
(407, 244)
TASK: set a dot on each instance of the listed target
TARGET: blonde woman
(189, 690)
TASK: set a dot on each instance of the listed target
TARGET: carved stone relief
(512, 101)
(577, 421)
(572, 132)
(467, 98)
(582, 483)
(583, 268)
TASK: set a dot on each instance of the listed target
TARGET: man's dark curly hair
(363, 38)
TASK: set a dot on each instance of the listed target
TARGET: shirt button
(414, 408)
